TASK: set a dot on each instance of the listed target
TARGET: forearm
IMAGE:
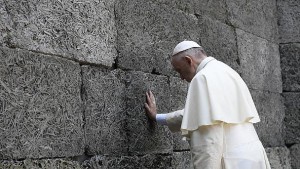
(172, 120)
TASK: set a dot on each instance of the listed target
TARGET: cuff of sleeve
(161, 119)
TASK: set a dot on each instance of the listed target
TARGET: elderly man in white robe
(218, 116)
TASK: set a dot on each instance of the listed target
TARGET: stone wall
(73, 77)
(289, 42)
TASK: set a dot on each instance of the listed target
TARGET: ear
(188, 59)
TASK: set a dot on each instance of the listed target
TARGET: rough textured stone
(260, 62)
(181, 160)
(128, 162)
(41, 114)
(148, 32)
(279, 157)
(177, 160)
(208, 7)
(104, 96)
(199, 7)
(270, 109)
(295, 156)
(40, 164)
(51, 107)
(292, 117)
(290, 61)
(219, 41)
(82, 30)
(289, 20)
(179, 143)
(144, 135)
(258, 17)
(178, 94)
(4, 19)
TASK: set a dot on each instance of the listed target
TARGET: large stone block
(216, 9)
(129, 162)
(213, 8)
(258, 17)
(145, 136)
(177, 160)
(260, 62)
(181, 160)
(148, 33)
(187, 6)
(290, 59)
(279, 157)
(288, 20)
(104, 98)
(295, 156)
(270, 109)
(41, 107)
(292, 117)
(178, 143)
(81, 30)
(4, 23)
(178, 94)
(38, 164)
(219, 41)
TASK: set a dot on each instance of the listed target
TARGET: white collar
(204, 63)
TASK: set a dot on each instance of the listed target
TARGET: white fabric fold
(227, 146)
(174, 120)
(217, 94)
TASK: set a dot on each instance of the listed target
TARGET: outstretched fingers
(150, 105)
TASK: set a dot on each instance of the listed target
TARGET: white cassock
(218, 120)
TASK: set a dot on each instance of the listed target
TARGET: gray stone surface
(41, 164)
(290, 61)
(4, 19)
(295, 156)
(177, 160)
(81, 30)
(187, 6)
(199, 7)
(270, 109)
(292, 117)
(279, 157)
(178, 94)
(148, 32)
(181, 160)
(179, 143)
(50, 107)
(104, 98)
(219, 41)
(260, 62)
(104, 162)
(288, 20)
(216, 9)
(258, 17)
(41, 108)
(128, 162)
(144, 135)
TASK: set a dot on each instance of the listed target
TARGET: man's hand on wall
(150, 105)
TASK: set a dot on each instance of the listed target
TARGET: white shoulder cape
(217, 94)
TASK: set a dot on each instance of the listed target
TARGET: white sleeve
(174, 120)
(161, 119)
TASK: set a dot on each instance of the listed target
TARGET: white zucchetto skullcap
(184, 45)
